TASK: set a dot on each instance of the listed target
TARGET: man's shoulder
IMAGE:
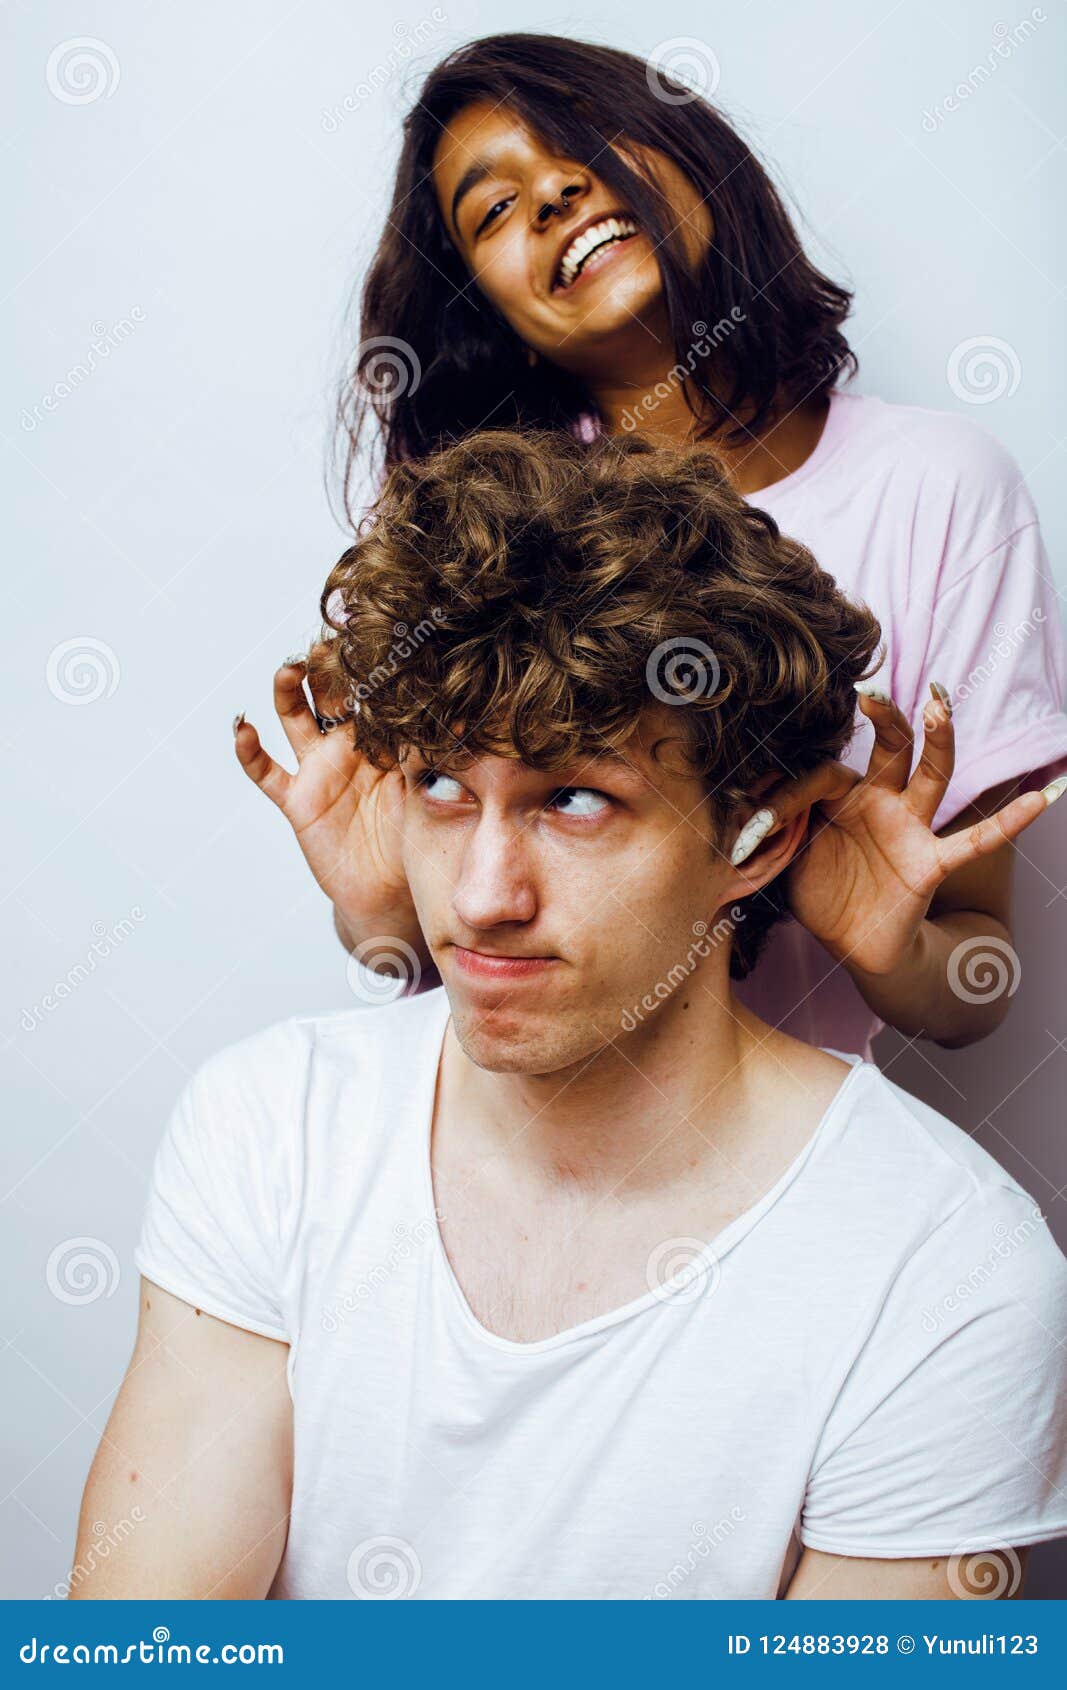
(269, 1071)
(916, 1175)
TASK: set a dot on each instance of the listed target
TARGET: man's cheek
(428, 871)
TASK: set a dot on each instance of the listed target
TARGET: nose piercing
(558, 210)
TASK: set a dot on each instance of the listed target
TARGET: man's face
(554, 905)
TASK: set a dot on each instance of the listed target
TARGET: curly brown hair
(525, 595)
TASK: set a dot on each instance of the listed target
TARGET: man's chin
(507, 1038)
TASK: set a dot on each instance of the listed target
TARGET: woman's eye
(580, 801)
(442, 787)
(490, 216)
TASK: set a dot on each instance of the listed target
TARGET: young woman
(577, 241)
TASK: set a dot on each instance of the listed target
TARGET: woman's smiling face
(569, 284)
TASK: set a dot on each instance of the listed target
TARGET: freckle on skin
(196, 1311)
(133, 1478)
(148, 1302)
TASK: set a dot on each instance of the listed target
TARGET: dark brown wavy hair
(520, 594)
(436, 360)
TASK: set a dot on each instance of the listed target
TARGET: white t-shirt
(871, 1360)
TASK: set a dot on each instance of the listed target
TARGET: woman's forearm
(376, 936)
(948, 988)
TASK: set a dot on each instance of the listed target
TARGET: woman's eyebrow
(474, 173)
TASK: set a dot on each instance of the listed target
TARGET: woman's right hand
(345, 813)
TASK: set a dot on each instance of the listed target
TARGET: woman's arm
(345, 815)
(912, 915)
(964, 941)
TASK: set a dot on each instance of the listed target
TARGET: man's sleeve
(949, 1433)
(215, 1223)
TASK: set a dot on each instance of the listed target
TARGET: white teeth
(608, 229)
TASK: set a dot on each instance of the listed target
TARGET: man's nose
(495, 883)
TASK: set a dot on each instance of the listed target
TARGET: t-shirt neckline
(826, 446)
(704, 1260)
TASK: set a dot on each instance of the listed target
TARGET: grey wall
(201, 220)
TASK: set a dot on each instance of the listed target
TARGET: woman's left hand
(863, 880)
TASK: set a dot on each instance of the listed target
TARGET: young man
(572, 1278)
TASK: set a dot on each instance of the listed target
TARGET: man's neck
(640, 1112)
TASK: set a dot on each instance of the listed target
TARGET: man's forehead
(651, 755)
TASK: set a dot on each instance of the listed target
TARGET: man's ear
(764, 847)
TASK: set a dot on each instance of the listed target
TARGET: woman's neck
(781, 447)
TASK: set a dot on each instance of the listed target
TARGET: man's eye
(580, 801)
(491, 215)
(445, 788)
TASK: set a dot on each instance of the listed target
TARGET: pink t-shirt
(925, 518)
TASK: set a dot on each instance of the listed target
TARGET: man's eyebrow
(614, 761)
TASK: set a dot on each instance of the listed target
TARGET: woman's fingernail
(752, 834)
(942, 694)
(1055, 789)
(237, 721)
(929, 719)
(335, 607)
(868, 689)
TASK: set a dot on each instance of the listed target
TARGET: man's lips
(484, 965)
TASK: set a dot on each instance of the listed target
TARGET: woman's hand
(346, 814)
(864, 880)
